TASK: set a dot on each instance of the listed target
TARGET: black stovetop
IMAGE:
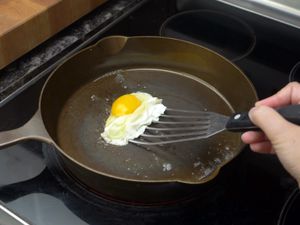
(250, 190)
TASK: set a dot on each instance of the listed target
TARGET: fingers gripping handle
(291, 113)
(240, 122)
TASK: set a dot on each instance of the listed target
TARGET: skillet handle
(34, 129)
(240, 122)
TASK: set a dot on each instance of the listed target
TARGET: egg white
(119, 130)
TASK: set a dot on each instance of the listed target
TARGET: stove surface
(250, 190)
(246, 192)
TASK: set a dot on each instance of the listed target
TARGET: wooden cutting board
(24, 24)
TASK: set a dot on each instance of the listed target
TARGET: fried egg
(130, 115)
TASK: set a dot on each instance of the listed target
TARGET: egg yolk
(126, 104)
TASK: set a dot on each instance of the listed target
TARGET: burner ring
(295, 73)
(225, 34)
(69, 181)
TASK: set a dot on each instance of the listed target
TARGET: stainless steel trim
(7, 217)
(286, 12)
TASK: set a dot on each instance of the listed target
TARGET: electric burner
(223, 33)
(295, 73)
(69, 181)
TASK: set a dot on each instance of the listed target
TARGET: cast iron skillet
(76, 100)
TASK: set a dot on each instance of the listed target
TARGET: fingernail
(257, 103)
(251, 111)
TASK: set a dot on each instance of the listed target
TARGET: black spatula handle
(241, 122)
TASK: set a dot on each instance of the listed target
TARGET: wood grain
(24, 24)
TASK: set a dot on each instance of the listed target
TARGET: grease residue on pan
(83, 117)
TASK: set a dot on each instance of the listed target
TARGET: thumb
(278, 130)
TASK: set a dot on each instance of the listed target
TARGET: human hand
(279, 136)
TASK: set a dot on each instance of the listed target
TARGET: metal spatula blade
(185, 125)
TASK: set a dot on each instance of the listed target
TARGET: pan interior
(83, 118)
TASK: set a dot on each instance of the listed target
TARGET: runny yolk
(125, 104)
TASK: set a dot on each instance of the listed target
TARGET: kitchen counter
(42, 60)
